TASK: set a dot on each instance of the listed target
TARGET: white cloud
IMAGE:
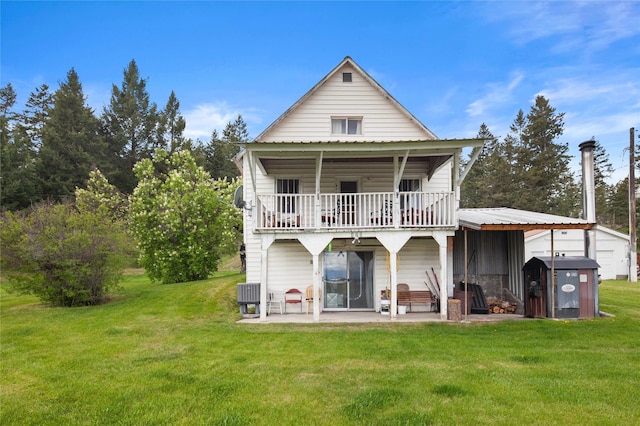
(572, 26)
(497, 95)
(599, 90)
(204, 118)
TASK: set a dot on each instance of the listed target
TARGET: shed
(575, 293)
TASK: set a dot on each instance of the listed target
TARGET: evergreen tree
(619, 206)
(477, 186)
(7, 101)
(18, 183)
(130, 124)
(71, 143)
(543, 164)
(602, 171)
(172, 126)
(505, 175)
(36, 114)
(220, 151)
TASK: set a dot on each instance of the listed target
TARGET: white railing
(351, 211)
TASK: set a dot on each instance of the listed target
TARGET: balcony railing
(355, 211)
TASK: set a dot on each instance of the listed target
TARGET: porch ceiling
(432, 153)
(429, 163)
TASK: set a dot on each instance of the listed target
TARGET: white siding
(289, 266)
(416, 257)
(382, 120)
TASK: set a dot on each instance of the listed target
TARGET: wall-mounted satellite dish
(238, 200)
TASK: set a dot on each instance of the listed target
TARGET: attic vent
(346, 77)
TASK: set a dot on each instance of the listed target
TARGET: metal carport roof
(506, 219)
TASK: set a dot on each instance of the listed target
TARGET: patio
(367, 317)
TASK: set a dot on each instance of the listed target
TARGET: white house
(612, 248)
(349, 193)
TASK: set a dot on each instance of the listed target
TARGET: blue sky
(454, 65)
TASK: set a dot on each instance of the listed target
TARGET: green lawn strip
(173, 354)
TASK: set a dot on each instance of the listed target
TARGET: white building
(612, 248)
(351, 194)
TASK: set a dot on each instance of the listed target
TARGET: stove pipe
(588, 196)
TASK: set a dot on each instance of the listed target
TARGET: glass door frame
(338, 286)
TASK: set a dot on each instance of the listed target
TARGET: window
(409, 200)
(346, 126)
(409, 185)
(346, 77)
(287, 186)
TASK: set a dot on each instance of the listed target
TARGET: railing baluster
(354, 211)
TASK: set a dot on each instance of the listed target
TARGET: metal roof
(506, 219)
(564, 262)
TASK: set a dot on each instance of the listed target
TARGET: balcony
(309, 212)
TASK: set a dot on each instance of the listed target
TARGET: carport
(489, 248)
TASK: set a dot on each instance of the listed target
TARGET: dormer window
(346, 77)
(346, 126)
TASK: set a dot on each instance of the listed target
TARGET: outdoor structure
(348, 192)
(572, 294)
(494, 251)
(612, 249)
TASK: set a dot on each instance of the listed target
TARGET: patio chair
(293, 296)
(309, 296)
(383, 216)
(275, 298)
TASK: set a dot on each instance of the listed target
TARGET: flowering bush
(101, 196)
(178, 219)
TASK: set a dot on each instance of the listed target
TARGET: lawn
(173, 354)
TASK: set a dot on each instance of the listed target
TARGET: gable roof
(506, 219)
(347, 61)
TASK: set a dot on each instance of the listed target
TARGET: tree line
(529, 169)
(82, 195)
(78, 191)
(48, 148)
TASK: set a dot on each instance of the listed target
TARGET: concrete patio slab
(368, 317)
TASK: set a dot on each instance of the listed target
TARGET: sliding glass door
(348, 280)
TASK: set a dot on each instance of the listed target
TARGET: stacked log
(501, 306)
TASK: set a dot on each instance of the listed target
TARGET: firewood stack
(501, 306)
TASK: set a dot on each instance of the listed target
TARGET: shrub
(177, 218)
(63, 256)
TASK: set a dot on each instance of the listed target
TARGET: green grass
(173, 354)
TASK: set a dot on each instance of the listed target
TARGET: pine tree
(71, 143)
(172, 126)
(505, 176)
(219, 152)
(130, 124)
(619, 206)
(36, 113)
(602, 171)
(478, 183)
(543, 164)
(18, 183)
